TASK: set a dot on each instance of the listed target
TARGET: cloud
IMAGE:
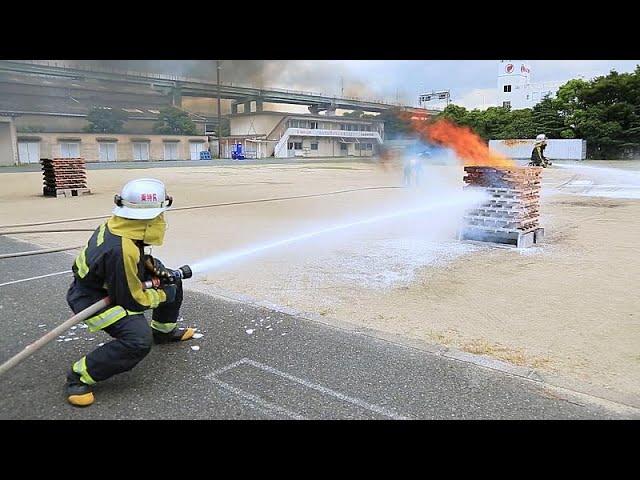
(480, 98)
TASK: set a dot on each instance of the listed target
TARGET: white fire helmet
(142, 199)
(542, 138)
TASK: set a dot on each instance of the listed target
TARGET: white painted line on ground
(255, 399)
(313, 386)
(328, 391)
(34, 278)
(228, 367)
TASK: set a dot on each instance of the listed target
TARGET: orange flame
(462, 140)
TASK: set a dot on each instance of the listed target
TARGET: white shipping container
(557, 149)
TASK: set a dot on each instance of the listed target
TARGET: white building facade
(515, 89)
(285, 135)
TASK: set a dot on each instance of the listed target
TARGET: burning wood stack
(512, 214)
(64, 177)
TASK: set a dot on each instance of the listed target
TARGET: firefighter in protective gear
(114, 263)
(537, 155)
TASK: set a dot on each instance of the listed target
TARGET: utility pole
(219, 111)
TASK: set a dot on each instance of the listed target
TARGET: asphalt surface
(252, 363)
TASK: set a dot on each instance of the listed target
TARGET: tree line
(171, 121)
(604, 111)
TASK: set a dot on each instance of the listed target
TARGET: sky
(473, 83)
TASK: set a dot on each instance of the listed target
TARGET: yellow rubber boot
(188, 333)
(176, 335)
(79, 394)
(82, 400)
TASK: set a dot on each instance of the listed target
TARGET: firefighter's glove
(157, 268)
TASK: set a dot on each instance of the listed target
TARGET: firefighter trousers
(132, 341)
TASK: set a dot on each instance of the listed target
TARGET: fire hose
(183, 272)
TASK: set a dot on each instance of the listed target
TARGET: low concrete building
(8, 143)
(42, 122)
(98, 147)
(280, 134)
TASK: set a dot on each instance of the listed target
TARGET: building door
(140, 151)
(70, 150)
(107, 151)
(171, 150)
(195, 149)
(29, 152)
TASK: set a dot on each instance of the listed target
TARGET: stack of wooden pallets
(512, 213)
(64, 177)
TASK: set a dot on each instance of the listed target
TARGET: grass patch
(511, 355)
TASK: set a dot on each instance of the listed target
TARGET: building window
(195, 148)
(140, 151)
(363, 146)
(507, 88)
(314, 146)
(70, 150)
(344, 147)
(506, 104)
(313, 124)
(107, 151)
(29, 152)
(297, 145)
(290, 145)
(171, 150)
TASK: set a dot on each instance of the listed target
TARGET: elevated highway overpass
(178, 87)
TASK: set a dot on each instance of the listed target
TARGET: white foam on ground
(386, 263)
(195, 348)
(197, 335)
(602, 182)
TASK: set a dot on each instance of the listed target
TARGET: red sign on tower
(509, 68)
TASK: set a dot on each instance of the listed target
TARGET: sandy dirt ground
(569, 306)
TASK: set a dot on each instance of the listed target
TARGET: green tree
(606, 112)
(357, 114)
(396, 123)
(520, 125)
(174, 121)
(454, 113)
(105, 120)
(547, 119)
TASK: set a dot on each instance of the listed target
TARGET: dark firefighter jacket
(112, 264)
(537, 155)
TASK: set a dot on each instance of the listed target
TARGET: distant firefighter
(413, 166)
(537, 155)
